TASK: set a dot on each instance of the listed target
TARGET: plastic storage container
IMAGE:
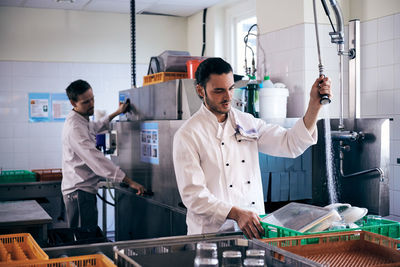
(19, 248)
(273, 102)
(191, 66)
(302, 217)
(267, 83)
(17, 176)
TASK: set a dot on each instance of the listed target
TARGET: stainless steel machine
(144, 140)
(361, 164)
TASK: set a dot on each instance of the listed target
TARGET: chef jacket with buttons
(217, 167)
(82, 163)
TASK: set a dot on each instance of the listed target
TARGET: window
(239, 19)
(242, 52)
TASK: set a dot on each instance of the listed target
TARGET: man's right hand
(132, 184)
(248, 221)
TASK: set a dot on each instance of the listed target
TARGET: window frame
(234, 14)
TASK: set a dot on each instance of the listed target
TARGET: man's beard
(214, 107)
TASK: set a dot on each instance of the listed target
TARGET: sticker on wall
(60, 106)
(39, 108)
(149, 143)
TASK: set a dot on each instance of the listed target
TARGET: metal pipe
(341, 159)
(104, 212)
(338, 35)
(345, 136)
(341, 125)
(354, 69)
(379, 170)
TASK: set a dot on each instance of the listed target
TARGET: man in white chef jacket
(215, 153)
(82, 163)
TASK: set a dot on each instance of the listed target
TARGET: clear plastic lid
(301, 217)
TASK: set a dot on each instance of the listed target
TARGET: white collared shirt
(82, 163)
(217, 168)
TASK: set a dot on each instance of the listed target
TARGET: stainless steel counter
(107, 248)
(24, 216)
(15, 191)
(46, 193)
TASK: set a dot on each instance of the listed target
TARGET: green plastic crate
(375, 225)
(17, 176)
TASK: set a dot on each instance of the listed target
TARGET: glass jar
(206, 255)
(231, 258)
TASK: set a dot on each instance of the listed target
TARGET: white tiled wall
(28, 146)
(291, 56)
(380, 87)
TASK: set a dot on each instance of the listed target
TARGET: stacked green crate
(17, 176)
(375, 225)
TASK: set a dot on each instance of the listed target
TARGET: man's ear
(73, 103)
(200, 90)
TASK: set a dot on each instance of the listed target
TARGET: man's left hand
(124, 107)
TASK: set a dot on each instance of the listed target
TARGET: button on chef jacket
(217, 167)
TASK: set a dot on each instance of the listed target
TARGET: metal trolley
(180, 251)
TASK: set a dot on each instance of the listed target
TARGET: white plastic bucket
(273, 102)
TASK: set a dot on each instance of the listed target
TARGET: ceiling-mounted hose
(204, 31)
(133, 44)
(324, 98)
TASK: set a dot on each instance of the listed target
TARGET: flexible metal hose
(324, 98)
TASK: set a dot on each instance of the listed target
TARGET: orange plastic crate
(19, 248)
(48, 174)
(163, 77)
(355, 248)
(95, 260)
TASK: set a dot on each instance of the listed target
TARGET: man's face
(85, 103)
(218, 94)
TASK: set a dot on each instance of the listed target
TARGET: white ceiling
(181, 8)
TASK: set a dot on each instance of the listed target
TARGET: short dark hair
(77, 88)
(213, 65)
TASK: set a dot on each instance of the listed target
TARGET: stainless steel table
(46, 193)
(18, 191)
(24, 216)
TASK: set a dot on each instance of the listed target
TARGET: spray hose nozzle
(325, 100)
